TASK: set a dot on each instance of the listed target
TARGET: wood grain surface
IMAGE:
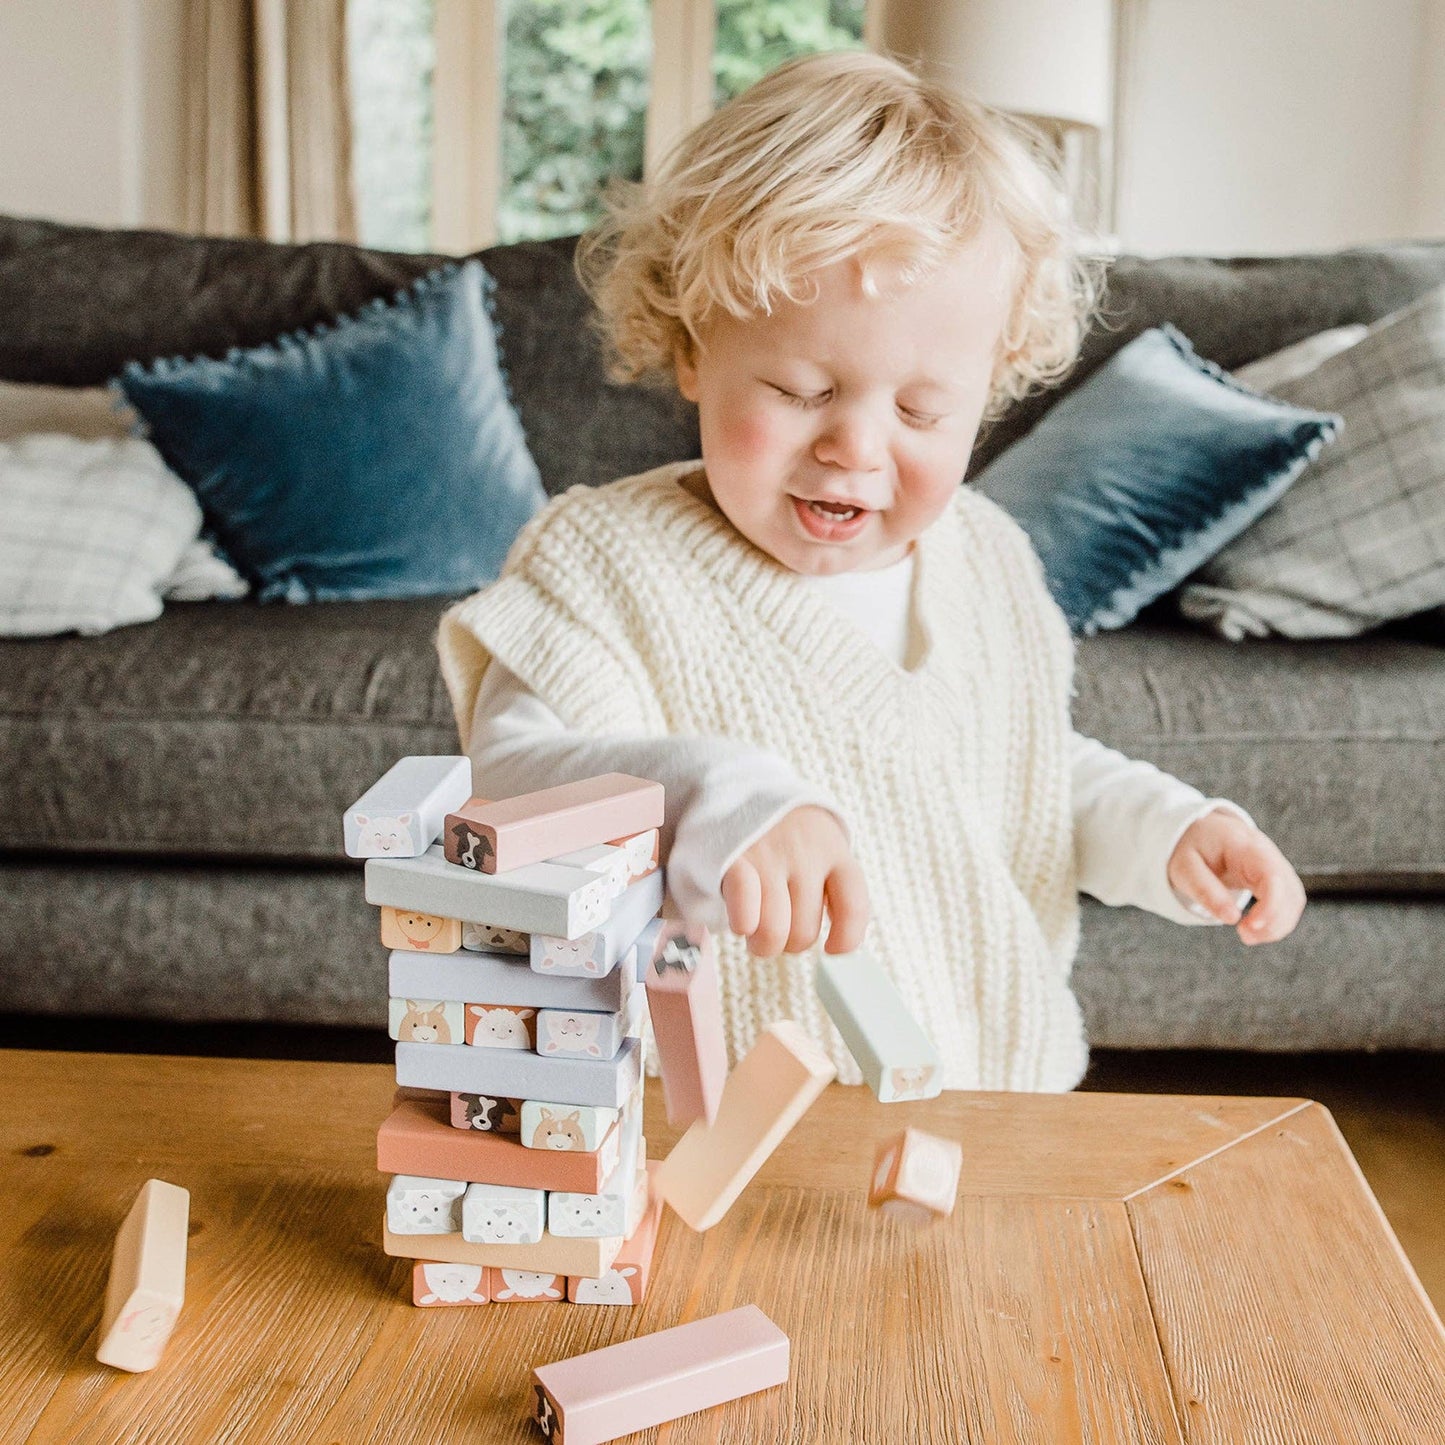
(1119, 1268)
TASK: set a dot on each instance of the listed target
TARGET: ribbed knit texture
(637, 608)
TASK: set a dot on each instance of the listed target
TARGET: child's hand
(776, 891)
(1218, 855)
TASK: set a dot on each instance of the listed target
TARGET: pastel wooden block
(915, 1176)
(651, 1379)
(484, 938)
(513, 832)
(417, 1136)
(545, 898)
(766, 1094)
(401, 815)
(512, 1286)
(516, 1075)
(426, 1021)
(424, 1204)
(484, 1113)
(501, 1026)
(147, 1282)
(647, 945)
(598, 952)
(687, 1023)
(616, 1208)
(897, 1058)
(578, 1034)
(604, 858)
(626, 1282)
(641, 850)
(434, 1284)
(591, 1258)
(565, 1128)
(503, 979)
(420, 932)
(503, 1214)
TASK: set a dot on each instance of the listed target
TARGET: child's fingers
(743, 897)
(775, 913)
(805, 897)
(1195, 879)
(1279, 894)
(848, 908)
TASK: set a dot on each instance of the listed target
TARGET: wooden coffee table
(1119, 1268)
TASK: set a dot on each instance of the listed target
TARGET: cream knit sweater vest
(636, 608)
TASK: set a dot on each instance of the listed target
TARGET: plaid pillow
(1360, 538)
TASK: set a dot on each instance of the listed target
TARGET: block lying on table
(420, 932)
(401, 815)
(915, 1176)
(147, 1282)
(687, 1023)
(766, 1094)
(589, 1257)
(434, 1284)
(499, 979)
(540, 898)
(426, 1021)
(596, 953)
(651, 1379)
(459, 1068)
(897, 1058)
(509, 833)
(626, 1282)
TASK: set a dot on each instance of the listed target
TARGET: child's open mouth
(830, 521)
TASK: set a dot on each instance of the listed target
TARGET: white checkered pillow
(1360, 538)
(96, 533)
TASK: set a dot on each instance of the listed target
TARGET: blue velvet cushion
(1140, 475)
(379, 457)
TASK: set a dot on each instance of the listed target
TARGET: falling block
(765, 1095)
(402, 814)
(565, 1128)
(915, 1176)
(501, 1026)
(598, 952)
(484, 938)
(509, 1286)
(626, 1282)
(545, 898)
(641, 850)
(687, 1023)
(897, 1058)
(512, 1074)
(591, 1258)
(147, 1283)
(482, 1112)
(426, 1021)
(434, 1284)
(604, 858)
(501, 979)
(503, 1214)
(578, 1034)
(651, 1379)
(424, 1204)
(420, 932)
(500, 836)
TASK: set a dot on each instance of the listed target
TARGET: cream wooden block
(765, 1095)
(590, 1258)
(426, 1021)
(915, 1176)
(147, 1283)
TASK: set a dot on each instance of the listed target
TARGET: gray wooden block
(504, 979)
(513, 1074)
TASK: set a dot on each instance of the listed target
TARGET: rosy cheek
(748, 436)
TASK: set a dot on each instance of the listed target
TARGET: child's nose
(852, 442)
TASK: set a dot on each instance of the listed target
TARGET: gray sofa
(170, 793)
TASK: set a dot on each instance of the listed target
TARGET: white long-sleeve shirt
(724, 795)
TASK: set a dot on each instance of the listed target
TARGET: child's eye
(919, 419)
(806, 402)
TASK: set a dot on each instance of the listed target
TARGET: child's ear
(685, 363)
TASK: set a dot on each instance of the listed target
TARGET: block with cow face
(915, 1176)
(577, 1034)
(419, 1205)
(501, 1026)
(419, 932)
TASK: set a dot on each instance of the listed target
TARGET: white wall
(1429, 160)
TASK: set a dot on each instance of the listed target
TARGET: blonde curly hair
(832, 156)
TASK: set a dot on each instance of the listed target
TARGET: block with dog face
(488, 1113)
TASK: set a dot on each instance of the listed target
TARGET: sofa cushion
(233, 730)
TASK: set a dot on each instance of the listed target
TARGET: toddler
(844, 667)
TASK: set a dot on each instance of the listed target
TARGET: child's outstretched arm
(1221, 854)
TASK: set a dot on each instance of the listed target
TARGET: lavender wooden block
(595, 954)
(512, 1074)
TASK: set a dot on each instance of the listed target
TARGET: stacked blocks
(515, 1142)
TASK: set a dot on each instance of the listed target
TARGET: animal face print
(593, 903)
(500, 1028)
(910, 1083)
(567, 956)
(570, 1033)
(425, 1023)
(388, 837)
(586, 1215)
(494, 1116)
(451, 1284)
(497, 1224)
(422, 1206)
(612, 1289)
(527, 1284)
(470, 848)
(546, 1417)
(558, 1131)
(641, 850)
(483, 938)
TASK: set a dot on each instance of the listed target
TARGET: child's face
(834, 433)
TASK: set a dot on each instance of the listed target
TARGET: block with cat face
(426, 1021)
(486, 1112)
(509, 1286)
(577, 1128)
(416, 1204)
(578, 1033)
(434, 1284)
(484, 938)
(503, 1214)
(915, 1176)
(419, 932)
(501, 1026)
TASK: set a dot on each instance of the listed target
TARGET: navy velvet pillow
(379, 457)
(1141, 474)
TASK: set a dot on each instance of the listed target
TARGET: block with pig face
(915, 1176)
(577, 1034)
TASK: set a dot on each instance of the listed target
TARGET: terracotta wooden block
(513, 832)
(595, 954)
(687, 1023)
(897, 1058)
(765, 1095)
(591, 1258)
(503, 1214)
(915, 1176)
(147, 1283)
(424, 1204)
(626, 1282)
(426, 1021)
(434, 1284)
(417, 1136)
(540, 898)
(641, 850)
(565, 1128)
(501, 1026)
(401, 815)
(513, 1074)
(604, 858)
(482, 1112)
(503, 979)
(651, 1379)
(511, 1286)
(420, 932)
(484, 938)
(578, 1034)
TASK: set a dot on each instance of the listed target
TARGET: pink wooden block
(508, 1286)
(647, 1381)
(494, 837)
(434, 1284)
(501, 1026)
(915, 1176)
(687, 1023)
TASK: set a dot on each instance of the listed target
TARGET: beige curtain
(268, 131)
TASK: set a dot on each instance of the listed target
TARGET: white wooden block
(577, 1034)
(147, 1283)
(503, 1214)
(416, 1204)
(604, 858)
(598, 952)
(426, 1021)
(574, 1128)
(615, 1209)
(401, 815)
